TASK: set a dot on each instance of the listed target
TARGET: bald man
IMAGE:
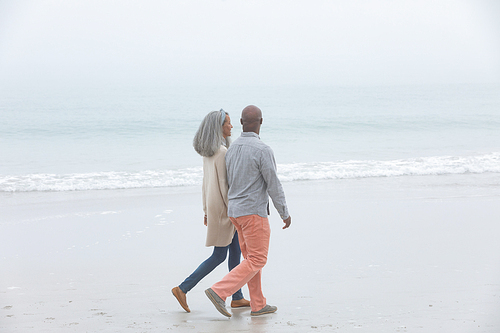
(252, 179)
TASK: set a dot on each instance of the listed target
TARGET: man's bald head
(251, 119)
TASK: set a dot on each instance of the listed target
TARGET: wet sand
(407, 254)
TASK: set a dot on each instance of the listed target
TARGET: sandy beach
(400, 254)
(383, 118)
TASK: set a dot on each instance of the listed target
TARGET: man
(252, 178)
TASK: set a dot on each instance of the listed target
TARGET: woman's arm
(220, 167)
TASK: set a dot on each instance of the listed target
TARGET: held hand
(287, 222)
(205, 221)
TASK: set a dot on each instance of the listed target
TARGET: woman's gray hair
(209, 138)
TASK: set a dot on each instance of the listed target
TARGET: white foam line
(436, 165)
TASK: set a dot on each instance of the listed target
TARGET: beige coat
(220, 230)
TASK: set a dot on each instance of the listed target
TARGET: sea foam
(437, 165)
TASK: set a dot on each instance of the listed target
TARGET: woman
(211, 142)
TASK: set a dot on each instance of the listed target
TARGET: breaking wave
(437, 165)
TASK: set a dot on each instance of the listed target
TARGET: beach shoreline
(391, 254)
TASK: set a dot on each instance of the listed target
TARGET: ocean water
(91, 138)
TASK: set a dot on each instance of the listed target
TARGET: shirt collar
(250, 134)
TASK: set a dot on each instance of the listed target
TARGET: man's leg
(234, 260)
(257, 299)
(254, 242)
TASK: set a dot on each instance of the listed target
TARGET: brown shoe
(240, 303)
(181, 297)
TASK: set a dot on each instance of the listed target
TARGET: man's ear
(261, 119)
(241, 121)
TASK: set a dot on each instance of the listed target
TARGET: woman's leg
(217, 257)
(234, 260)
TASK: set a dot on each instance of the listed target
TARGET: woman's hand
(205, 221)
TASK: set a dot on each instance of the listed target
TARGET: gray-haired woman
(211, 141)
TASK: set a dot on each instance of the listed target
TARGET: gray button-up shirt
(252, 178)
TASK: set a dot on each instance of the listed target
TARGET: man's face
(226, 128)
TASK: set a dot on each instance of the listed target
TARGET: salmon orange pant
(254, 233)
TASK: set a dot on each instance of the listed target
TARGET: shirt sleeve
(274, 188)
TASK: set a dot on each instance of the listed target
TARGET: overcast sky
(249, 42)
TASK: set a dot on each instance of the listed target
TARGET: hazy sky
(252, 41)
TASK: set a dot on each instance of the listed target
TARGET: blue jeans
(217, 257)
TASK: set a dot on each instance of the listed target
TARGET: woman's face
(226, 127)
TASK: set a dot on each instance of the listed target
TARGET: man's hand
(287, 222)
(205, 221)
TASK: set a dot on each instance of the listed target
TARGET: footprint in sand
(162, 218)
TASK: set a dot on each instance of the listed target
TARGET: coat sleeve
(203, 191)
(220, 167)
